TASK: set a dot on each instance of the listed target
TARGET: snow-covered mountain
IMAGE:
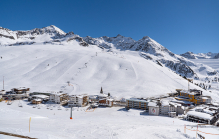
(209, 55)
(146, 47)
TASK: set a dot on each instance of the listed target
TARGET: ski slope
(121, 73)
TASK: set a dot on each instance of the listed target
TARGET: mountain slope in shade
(146, 47)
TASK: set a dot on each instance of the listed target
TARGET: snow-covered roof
(137, 100)
(37, 99)
(189, 92)
(110, 99)
(102, 95)
(209, 111)
(93, 96)
(21, 88)
(206, 98)
(79, 96)
(40, 96)
(182, 102)
(200, 115)
(175, 104)
(165, 103)
(152, 104)
(58, 93)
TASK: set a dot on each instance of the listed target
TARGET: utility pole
(71, 113)
(3, 82)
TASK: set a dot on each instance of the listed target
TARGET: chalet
(59, 98)
(78, 100)
(36, 101)
(106, 102)
(20, 90)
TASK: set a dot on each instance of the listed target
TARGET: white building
(167, 107)
(78, 100)
(203, 114)
(137, 103)
(153, 109)
(2, 92)
(170, 108)
(59, 98)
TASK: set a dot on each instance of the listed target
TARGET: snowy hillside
(209, 55)
(46, 58)
(48, 68)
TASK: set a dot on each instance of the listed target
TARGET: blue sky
(179, 25)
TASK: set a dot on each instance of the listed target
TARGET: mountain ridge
(147, 47)
(209, 55)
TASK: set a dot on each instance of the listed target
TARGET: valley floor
(110, 123)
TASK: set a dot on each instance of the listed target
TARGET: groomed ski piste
(123, 74)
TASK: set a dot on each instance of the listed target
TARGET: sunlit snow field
(108, 123)
(214, 63)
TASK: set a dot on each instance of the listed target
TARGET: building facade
(78, 100)
(137, 103)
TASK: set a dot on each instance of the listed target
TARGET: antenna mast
(3, 82)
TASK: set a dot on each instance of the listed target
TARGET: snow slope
(49, 67)
(147, 47)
